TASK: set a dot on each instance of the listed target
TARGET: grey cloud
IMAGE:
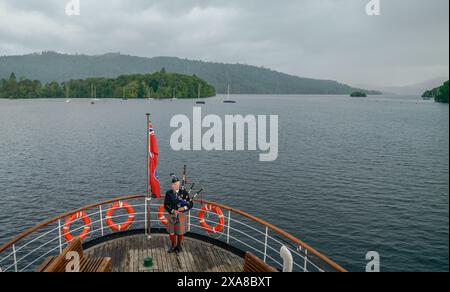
(330, 39)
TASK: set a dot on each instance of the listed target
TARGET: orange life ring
(71, 219)
(201, 215)
(114, 208)
(161, 215)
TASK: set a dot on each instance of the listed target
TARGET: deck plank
(128, 264)
(152, 250)
(117, 260)
(162, 255)
(189, 257)
(156, 242)
(195, 260)
(209, 260)
(117, 248)
(221, 258)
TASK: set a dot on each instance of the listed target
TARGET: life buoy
(114, 208)
(201, 215)
(71, 219)
(161, 215)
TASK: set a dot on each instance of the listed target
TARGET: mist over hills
(412, 89)
(243, 79)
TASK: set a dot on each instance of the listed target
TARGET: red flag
(153, 162)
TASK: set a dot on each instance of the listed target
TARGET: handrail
(50, 221)
(272, 227)
(280, 232)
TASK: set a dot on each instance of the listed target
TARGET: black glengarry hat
(175, 179)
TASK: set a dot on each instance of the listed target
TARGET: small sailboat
(198, 97)
(123, 94)
(68, 100)
(228, 100)
(94, 94)
(173, 95)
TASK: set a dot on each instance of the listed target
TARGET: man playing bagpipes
(177, 203)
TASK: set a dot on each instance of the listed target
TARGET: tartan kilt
(177, 225)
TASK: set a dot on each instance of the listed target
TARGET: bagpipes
(181, 203)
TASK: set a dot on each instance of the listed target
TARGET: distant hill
(244, 79)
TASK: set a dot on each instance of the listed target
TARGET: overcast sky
(328, 39)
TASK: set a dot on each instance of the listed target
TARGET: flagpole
(149, 196)
(148, 155)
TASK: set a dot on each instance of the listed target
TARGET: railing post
(60, 236)
(15, 258)
(265, 243)
(228, 227)
(305, 266)
(101, 220)
(189, 221)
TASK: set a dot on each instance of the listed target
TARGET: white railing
(241, 231)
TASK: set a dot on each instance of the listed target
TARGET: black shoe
(172, 250)
(179, 249)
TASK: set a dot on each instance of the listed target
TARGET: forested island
(358, 94)
(157, 85)
(440, 94)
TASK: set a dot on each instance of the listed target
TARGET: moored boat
(228, 100)
(199, 96)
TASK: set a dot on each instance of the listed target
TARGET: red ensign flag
(153, 162)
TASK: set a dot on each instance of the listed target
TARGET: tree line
(440, 94)
(157, 85)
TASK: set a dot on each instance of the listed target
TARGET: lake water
(352, 176)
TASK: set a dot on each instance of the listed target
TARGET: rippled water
(353, 175)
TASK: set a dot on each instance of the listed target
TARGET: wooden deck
(128, 254)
